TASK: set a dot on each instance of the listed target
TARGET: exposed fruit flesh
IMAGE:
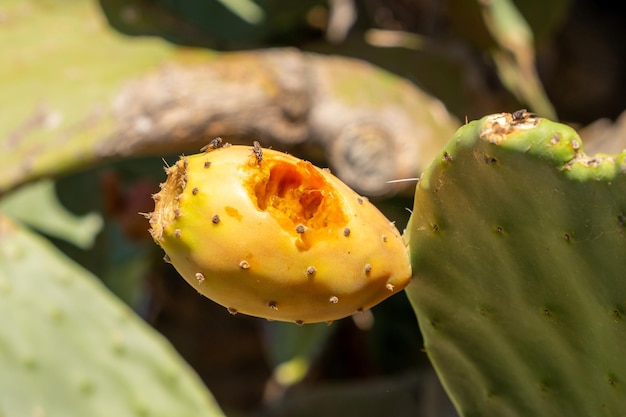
(298, 193)
(297, 196)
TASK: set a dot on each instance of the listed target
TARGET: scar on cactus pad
(267, 234)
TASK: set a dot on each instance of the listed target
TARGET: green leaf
(292, 349)
(37, 205)
(68, 347)
(247, 10)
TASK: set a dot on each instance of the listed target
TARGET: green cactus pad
(68, 348)
(518, 247)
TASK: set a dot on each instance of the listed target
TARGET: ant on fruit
(520, 116)
(214, 144)
(258, 151)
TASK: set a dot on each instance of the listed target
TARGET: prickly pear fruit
(518, 245)
(269, 235)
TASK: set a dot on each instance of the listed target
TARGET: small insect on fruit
(267, 234)
(520, 116)
(258, 151)
(214, 144)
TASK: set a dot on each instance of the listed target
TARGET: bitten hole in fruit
(298, 196)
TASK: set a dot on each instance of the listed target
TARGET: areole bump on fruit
(267, 234)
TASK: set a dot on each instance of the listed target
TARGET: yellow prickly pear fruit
(269, 235)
